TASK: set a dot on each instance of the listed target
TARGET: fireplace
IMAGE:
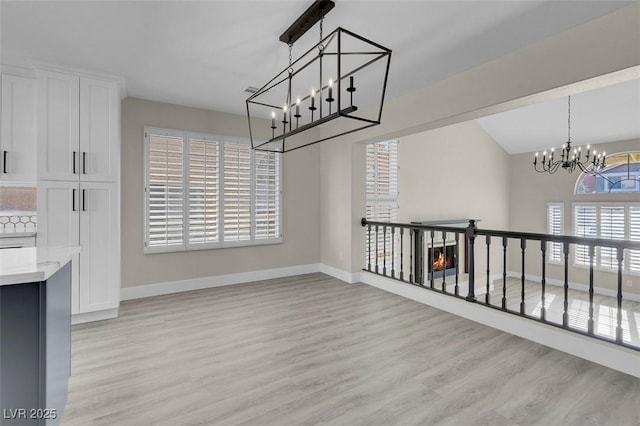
(441, 261)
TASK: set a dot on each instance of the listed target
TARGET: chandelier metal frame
(328, 93)
(571, 159)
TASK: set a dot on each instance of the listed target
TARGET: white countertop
(31, 264)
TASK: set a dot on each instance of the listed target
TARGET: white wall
(301, 188)
(599, 47)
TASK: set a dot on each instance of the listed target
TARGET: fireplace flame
(439, 264)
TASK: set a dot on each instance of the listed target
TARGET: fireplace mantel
(462, 223)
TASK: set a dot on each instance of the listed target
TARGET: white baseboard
(603, 353)
(94, 316)
(149, 290)
(577, 286)
(340, 274)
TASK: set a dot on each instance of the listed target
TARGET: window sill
(212, 246)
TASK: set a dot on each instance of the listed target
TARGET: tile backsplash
(17, 198)
(17, 209)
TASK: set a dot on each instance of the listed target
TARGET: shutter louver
(204, 191)
(237, 191)
(165, 180)
(611, 227)
(634, 235)
(585, 225)
(267, 195)
(554, 227)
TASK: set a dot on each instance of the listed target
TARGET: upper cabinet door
(18, 137)
(99, 130)
(58, 126)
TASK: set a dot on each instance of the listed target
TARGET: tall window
(206, 191)
(613, 221)
(555, 219)
(382, 194)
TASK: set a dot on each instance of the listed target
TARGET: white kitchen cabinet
(99, 130)
(59, 225)
(72, 213)
(18, 136)
(58, 126)
(79, 128)
(79, 156)
(100, 241)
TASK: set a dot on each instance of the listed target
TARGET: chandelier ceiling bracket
(316, 12)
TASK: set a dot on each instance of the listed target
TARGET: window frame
(186, 245)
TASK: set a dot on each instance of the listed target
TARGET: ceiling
(205, 53)
(608, 114)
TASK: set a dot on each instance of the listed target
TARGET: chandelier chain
(569, 121)
(290, 57)
(320, 45)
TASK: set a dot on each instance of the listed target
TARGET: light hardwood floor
(314, 350)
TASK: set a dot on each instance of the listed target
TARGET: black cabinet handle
(4, 161)
(84, 198)
(73, 200)
(84, 162)
(74, 162)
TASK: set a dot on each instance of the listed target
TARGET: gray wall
(441, 177)
(301, 209)
(531, 191)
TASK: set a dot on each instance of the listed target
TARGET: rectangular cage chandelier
(337, 87)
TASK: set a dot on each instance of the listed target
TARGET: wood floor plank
(312, 350)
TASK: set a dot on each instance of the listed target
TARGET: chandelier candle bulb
(351, 89)
(273, 120)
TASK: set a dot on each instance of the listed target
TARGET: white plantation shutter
(585, 225)
(555, 220)
(237, 191)
(612, 227)
(204, 190)
(207, 191)
(634, 235)
(267, 195)
(382, 197)
(165, 191)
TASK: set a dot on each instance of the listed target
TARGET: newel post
(471, 237)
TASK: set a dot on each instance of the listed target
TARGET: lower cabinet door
(100, 241)
(58, 224)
